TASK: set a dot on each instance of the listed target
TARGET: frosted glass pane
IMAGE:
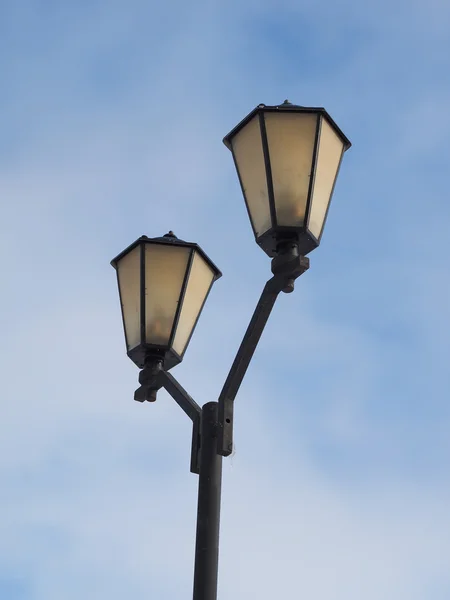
(249, 157)
(200, 280)
(165, 268)
(128, 272)
(290, 137)
(329, 157)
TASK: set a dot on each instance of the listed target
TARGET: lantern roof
(285, 107)
(169, 239)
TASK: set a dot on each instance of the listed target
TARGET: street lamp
(287, 159)
(163, 285)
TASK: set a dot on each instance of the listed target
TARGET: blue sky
(112, 116)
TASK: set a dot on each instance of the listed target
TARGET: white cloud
(337, 489)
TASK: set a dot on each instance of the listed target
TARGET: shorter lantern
(287, 158)
(163, 285)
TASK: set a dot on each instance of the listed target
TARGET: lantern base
(140, 354)
(274, 238)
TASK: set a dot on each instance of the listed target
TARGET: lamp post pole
(208, 511)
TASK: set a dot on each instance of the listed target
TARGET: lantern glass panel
(165, 269)
(128, 274)
(249, 158)
(331, 148)
(200, 279)
(291, 137)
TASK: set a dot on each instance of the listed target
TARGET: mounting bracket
(152, 378)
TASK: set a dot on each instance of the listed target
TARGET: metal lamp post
(287, 158)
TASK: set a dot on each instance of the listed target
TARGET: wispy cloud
(111, 122)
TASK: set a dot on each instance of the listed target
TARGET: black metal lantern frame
(279, 234)
(145, 352)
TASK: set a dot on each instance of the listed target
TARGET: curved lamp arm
(287, 266)
(152, 378)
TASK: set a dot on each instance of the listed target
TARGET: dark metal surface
(286, 268)
(208, 509)
(195, 446)
(312, 174)
(268, 240)
(139, 353)
(142, 294)
(180, 395)
(268, 168)
(152, 378)
(241, 363)
(187, 274)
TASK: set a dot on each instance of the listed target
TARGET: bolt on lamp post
(287, 158)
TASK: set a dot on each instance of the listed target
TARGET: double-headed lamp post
(287, 159)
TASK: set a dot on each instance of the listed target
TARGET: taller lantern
(163, 285)
(287, 158)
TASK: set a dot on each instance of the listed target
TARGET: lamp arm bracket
(193, 411)
(152, 378)
(286, 267)
(180, 395)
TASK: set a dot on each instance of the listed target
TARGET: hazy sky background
(111, 120)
